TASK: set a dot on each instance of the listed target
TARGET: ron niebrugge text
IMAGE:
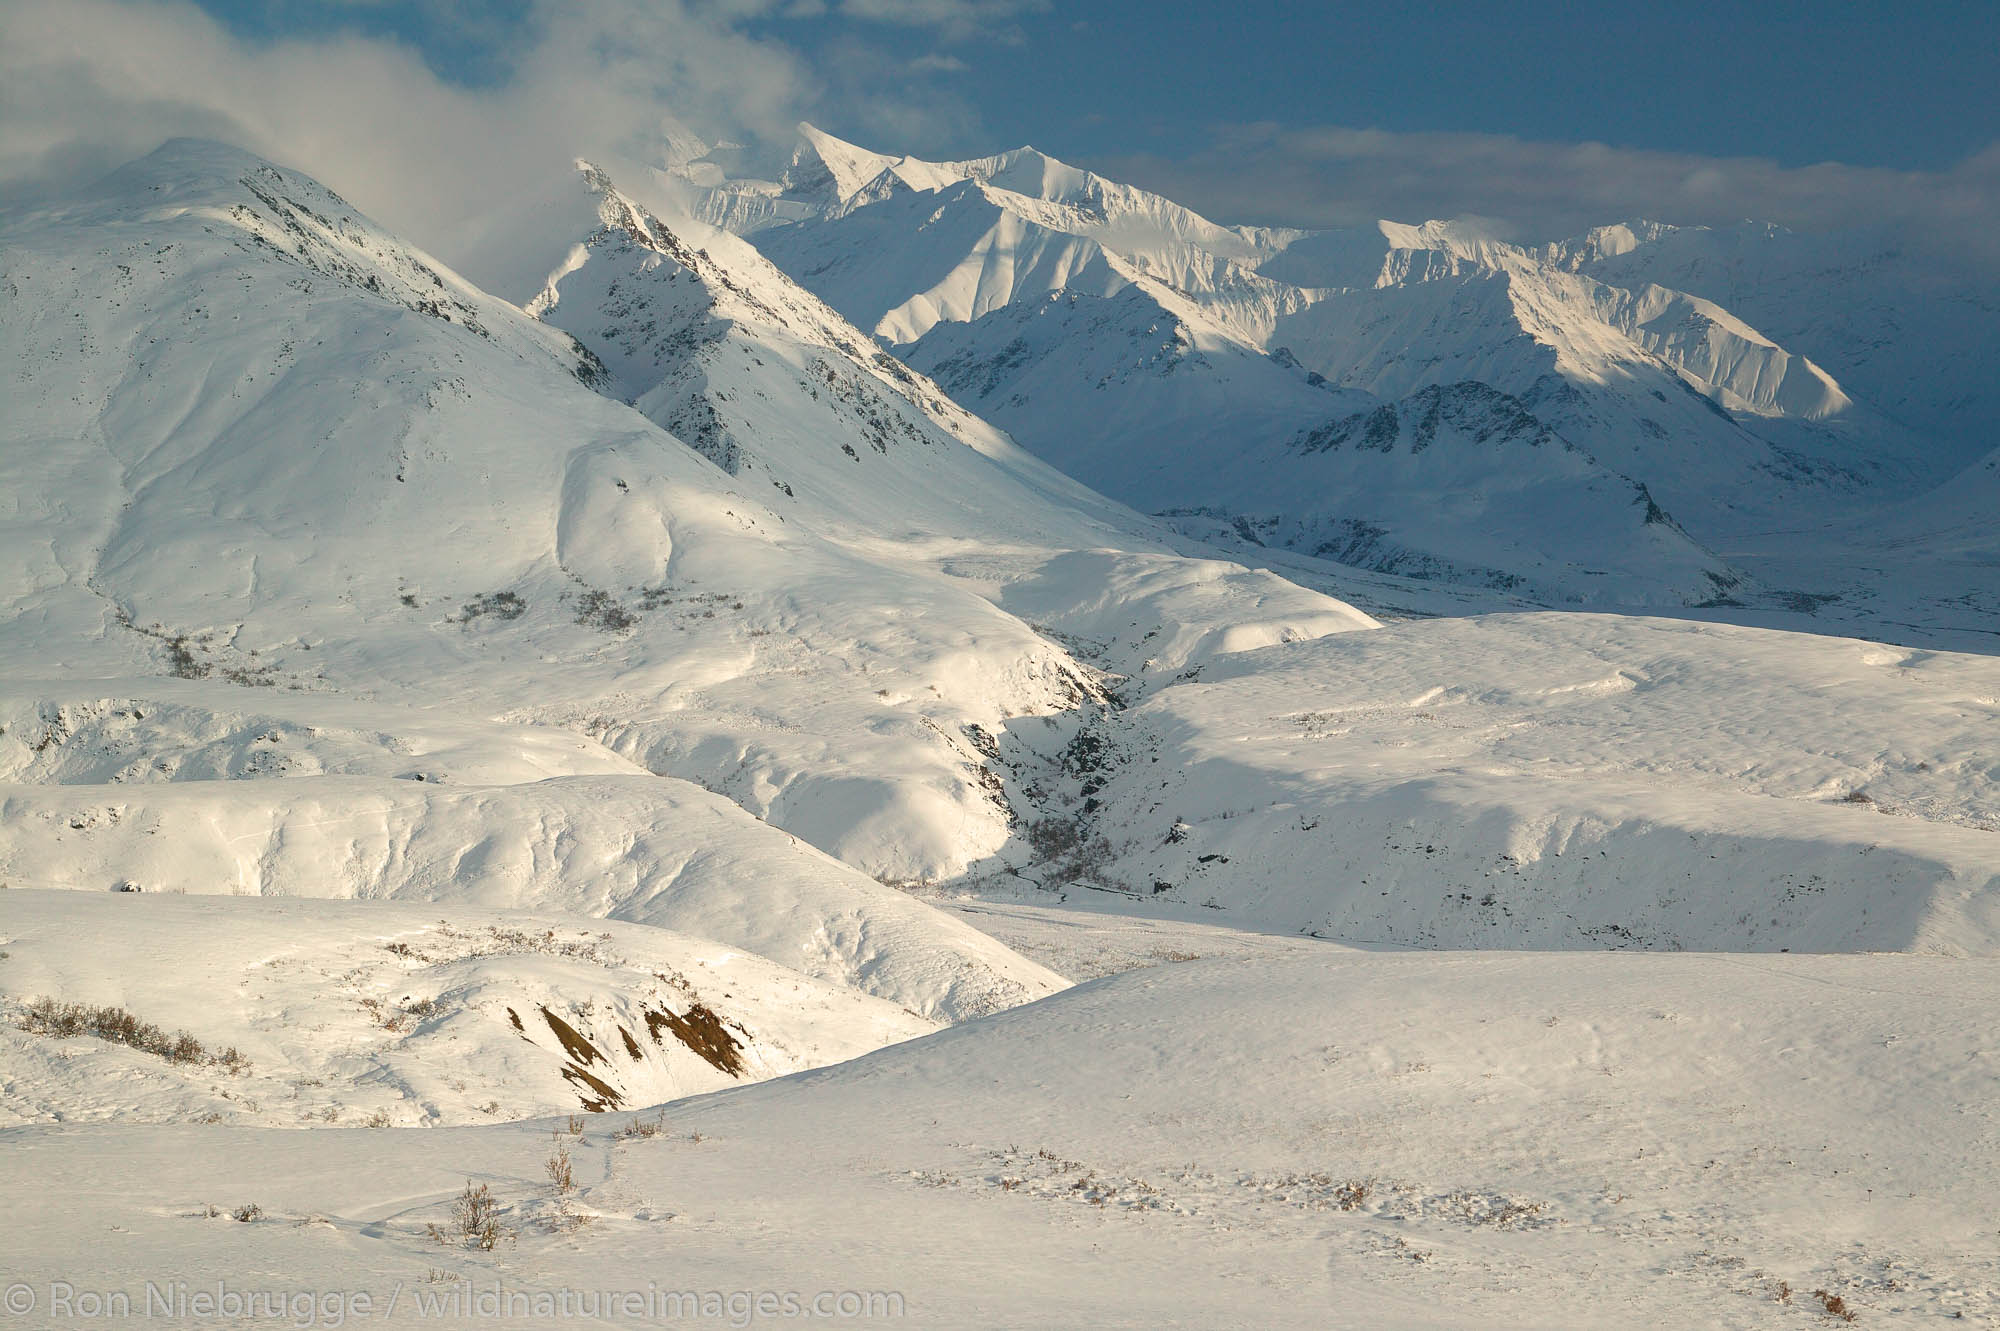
(470, 1302)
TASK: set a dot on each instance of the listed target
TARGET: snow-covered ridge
(250, 467)
(391, 1014)
(1732, 429)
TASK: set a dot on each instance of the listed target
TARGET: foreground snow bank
(386, 1013)
(1400, 1140)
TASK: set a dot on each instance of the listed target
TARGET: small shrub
(45, 1016)
(598, 611)
(475, 1221)
(501, 605)
(562, 1176)
(1069, 848)
(646, 1128)
(181, 662)
(245, 1214)
(1835, 1305)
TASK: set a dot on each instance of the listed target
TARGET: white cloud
(88, 84)
(955, 20)
(1330, 176)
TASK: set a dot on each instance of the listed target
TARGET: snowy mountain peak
(850, 168)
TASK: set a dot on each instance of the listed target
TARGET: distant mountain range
(1622, 418)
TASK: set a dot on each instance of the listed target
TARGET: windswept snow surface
(1557, 781)
(1317, 1139)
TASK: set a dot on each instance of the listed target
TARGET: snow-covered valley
(456, 738)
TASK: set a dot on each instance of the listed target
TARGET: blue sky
(1542, 118)
(1902, 85)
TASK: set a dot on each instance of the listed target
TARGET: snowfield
(620, 784)
(1308, 1139)
(1564, 780)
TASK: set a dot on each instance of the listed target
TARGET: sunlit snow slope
(345, 579)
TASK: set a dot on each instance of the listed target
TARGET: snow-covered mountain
(285, 491)
(1458, 482)
(706, 338)
(1910, 331)
(260, 450)
(1111, 330)
(422, 707)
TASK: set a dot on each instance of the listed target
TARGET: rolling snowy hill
(337, 487)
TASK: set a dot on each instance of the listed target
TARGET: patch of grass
(573, 1043)
(66, 1021)
(387, 1018)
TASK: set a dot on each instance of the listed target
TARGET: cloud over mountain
(1328, 175)
(87, 84)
